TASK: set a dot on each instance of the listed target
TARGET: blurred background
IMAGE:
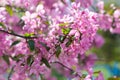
(109, 53)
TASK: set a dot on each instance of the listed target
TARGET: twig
(10, 74)
(76, 73)
(14, 34)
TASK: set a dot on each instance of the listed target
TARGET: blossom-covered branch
(17, 35)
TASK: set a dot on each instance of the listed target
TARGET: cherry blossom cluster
(39, 36)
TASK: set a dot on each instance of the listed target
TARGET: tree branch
(76, 73)
(10, 74)
(14, 34)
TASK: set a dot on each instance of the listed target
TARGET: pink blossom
(99, 41)
(105, 22)
(100, 6)
(51, 34)
(116, 13)
(85, 3)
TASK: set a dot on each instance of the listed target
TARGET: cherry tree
(38, 36)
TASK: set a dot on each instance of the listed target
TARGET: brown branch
(11, 71)
(14, 34)
(76, 73)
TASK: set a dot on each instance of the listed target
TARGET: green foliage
(31, 45)
(19, 11)
(29, 34)
(62, 38)
(9, 9)
(107, 7)
(113, 78)
(63, 24)
(72, 0)
(6, 58)
(2, 25)
(17, 57)
(58, 50)
(110, 51)
(70, 40)
(30, 60)
(45, 61)
(45, 45)
(47, 22)
(65, 31)
(58, 75)
(15, 43)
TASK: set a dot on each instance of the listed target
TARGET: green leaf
(66, 30)
(17, 57)
(45, 61)
(68, 43)
(63, 24)
(111, 11)
(30, 60)
(62, 38)
(31, 45)
(20, 11)
(9, 9)
(29, 34)
(58, 50)
(2, 25)
(72, 0)
(70, 40)
(15, 43)
(6, 58)
(47, 22)
(45, 45)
